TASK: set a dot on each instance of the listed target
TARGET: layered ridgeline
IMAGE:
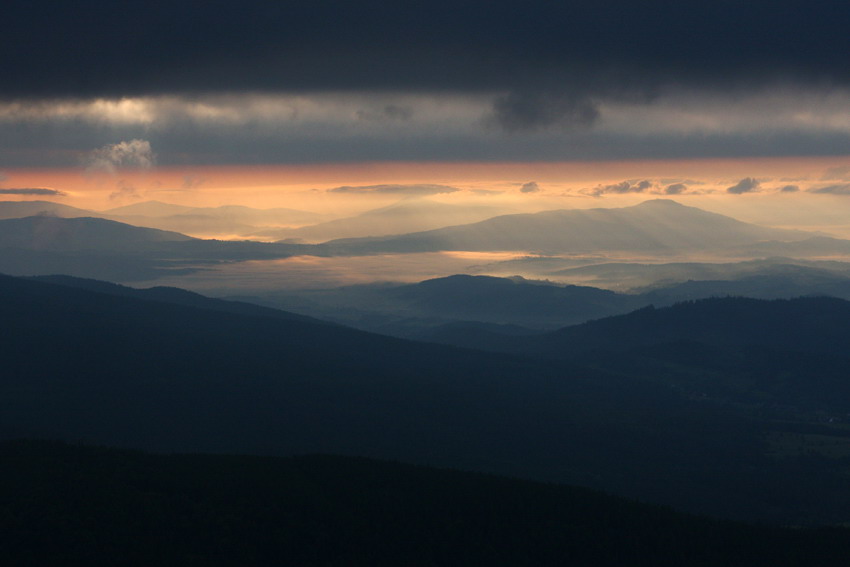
(654, 227)
(516, 305)
(211, 221)
(77, 505)
(227, 220)
(157, 372)
(96, 247)
(399, 218)
(20, 209)
(101, 248)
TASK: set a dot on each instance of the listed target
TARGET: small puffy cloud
(622, 187)
(413, 190)
(840, 189)
(746, 185)
(135, 154)
(530, 111)
(45, 191)
(675, 189)
(789, 188)
(530, 187)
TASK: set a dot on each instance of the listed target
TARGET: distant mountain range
(100, 248)
(402, 217)
(518, 306)
(654, 227)
(228, 220)
(705, 427)
(211, 221)
(20, 209)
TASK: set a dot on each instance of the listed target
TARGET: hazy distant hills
(223, 220)
(20, 209)
(407, 309)
(817, 246)
(636, 276)
(122, 370)
(100, 248)
(76, 234)
(131, 508)
(406, 216)
(517, 306)
(654, 227)
(227, 220)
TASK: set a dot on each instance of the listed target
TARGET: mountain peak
(659, 203)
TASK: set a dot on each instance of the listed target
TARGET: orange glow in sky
(304, 186)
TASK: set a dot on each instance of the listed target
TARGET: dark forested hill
(78, 505)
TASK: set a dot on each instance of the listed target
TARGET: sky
(736, 106)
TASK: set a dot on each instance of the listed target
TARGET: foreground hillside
(167, 372)
(77, 505)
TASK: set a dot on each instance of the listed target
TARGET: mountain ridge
(659, 226)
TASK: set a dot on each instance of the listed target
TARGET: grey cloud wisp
(43, 191)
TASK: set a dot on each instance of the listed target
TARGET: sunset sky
(739, 107)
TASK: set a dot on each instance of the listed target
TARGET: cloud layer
(135, 154)
(101, 48)
(43, 191)
(410, 190)
(333, 81)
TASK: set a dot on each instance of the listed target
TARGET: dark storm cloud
(675, 189)
(418, 190)
(746, 185)
(609, 48)
(528, 111)
(32, 191)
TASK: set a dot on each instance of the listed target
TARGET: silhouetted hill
(174, 295)
(516, 301)
(659, 226)
(816, 324)
(784, 358)
(77, 505)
